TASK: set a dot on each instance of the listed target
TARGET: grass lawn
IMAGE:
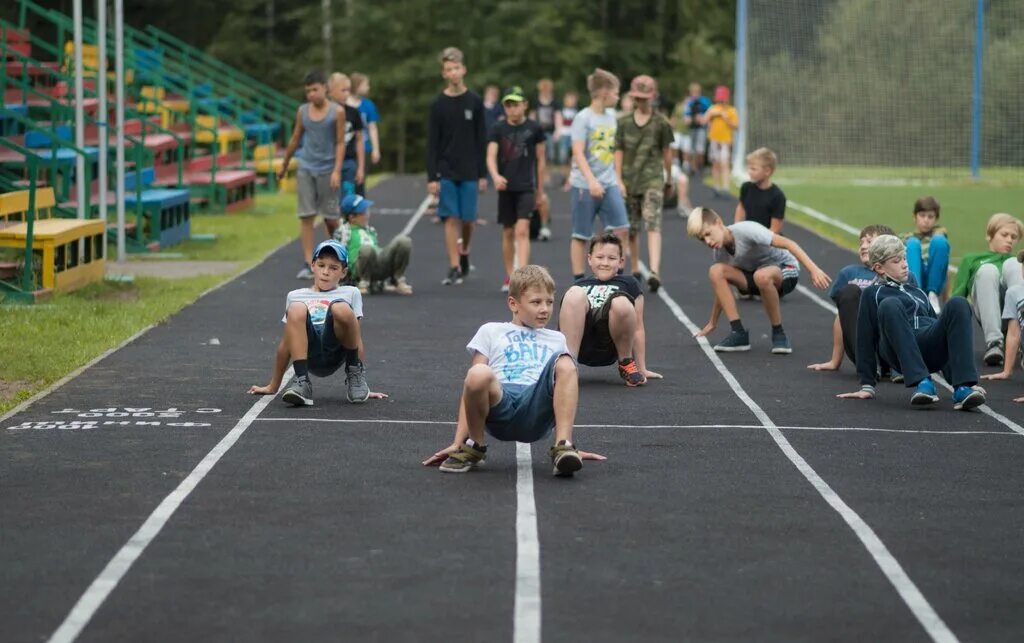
(862, 196)
(42, 343)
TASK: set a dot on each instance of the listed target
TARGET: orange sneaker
(630, 372)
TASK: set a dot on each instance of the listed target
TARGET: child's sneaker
(364, 286)
(454, 277)
(545, 233)
(896, 377)
(994, 353)
(653, 282)
(305, 273)
(630, 372)
(300, 393)
(924, 394)
(566, 459)
(505, 285)
(465, 459)
(737, 341)
(464, 265)
(355, 382)
(933, 299)
(400, 286)
(780, 343)
(966, 398)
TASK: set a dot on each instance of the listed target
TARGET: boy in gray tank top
(320, 128)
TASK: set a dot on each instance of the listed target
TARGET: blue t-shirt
(368, 110)
(859, 275)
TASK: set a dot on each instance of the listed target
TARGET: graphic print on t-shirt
(599, 294)
(522, 353)
(515, 143)
(318, 311)
(602, 144)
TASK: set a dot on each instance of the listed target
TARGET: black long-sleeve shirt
(913, 300)
(456, 139)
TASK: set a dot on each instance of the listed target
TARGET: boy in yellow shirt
(722, 121)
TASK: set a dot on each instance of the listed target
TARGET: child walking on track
(515, 159)
(320, 128)
(521, 384)
(456, 167)
(321, 332)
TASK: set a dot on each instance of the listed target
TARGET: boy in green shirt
(643, 165)
(373, 268)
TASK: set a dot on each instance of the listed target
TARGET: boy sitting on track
(603, 316)
(897, 322)
(376, 269)
(321, 332)
(750, 257)
(1013, 314)
(522, 383)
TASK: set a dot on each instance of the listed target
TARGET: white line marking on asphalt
(837, 429)
(984, 408)
(908, 591)
(100, 589)
(407, 230)
(526, 620)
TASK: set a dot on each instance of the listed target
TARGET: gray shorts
(316, 196)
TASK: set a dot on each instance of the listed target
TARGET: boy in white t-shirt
(321, 332)
(521, 384)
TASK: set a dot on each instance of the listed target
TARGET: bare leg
(306, 236)
(480, 392)
(571, 318)
(346, 327)
(566, 398)
(545, 213)
(330, 225)
(634, 252)
(654, 250)
(451, 240)
(768, 281)
(508, 248)
(622, 325)
(522, 243)
(295, 331)
(578, 255)
(623, 235)
(722, 276)
(467, 235)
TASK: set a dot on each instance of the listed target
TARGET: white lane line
(526, 620)
(407, 230)
(100, 589)
(984, 408)
(824, 218)
(650, 426)
(908, 591)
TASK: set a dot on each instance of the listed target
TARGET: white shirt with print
(517, 354)
(317, 302)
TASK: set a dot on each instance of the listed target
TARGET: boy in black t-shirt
(602, 317)
(515, 159)
(760, 199)
(353, 169)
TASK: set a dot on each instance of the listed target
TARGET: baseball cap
(721, 94)
(355, 204)
(643, 87)
(334, 247)
(513, 95)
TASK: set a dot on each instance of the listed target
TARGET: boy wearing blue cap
(321, 332)
(376, 268)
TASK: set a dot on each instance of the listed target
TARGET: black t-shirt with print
(353, 124)
(599, 291)
(546, 114)
(517, 153)
(763, 205)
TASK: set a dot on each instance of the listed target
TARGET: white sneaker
(402, 287)
(364, 286)
(305, 273)
(934, 299)
(544, 234)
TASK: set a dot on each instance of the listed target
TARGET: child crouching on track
(522, 382)
(897, 322)
(321, 332)
(1013, 315)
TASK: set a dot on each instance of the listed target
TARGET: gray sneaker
(305, 273)
(300, 393)
(355, 381)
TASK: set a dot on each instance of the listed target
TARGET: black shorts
(789, 280)
(325, 354)
(596, 346)
(513, 206)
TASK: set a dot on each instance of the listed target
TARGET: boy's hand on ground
(857, 395)
(651, 375)
(704, 332)
(1019, 400)
(433, 188)
(500, 183)
(597, 457)
(439, 457)
(820, 280)
(262, 390)
(824, 366)
(378, 396)
(1001, 375)
(596, 190)
(335, 180)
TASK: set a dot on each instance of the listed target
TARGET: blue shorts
(585, 208)
(526, 412)
(324, 353)
(458, 199)
(348, 177)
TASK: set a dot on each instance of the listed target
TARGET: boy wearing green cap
(515, 160)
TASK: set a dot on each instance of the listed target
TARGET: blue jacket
(915, 304)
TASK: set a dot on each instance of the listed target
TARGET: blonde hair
(358, 80)
(884, 248)
(1000, 220)
(531, 276)
(601, 80)
(698, 218)
(451, 55)
(765, 157)
(338, 77)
